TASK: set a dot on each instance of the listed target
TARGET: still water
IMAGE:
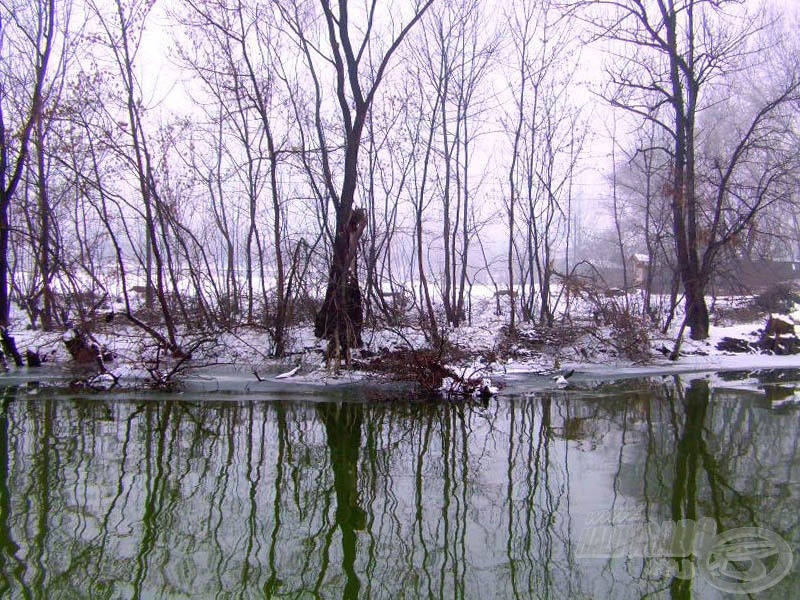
(342, 495)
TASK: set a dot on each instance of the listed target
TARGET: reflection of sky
(183, 498)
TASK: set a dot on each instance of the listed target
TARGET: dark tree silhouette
(359, 67)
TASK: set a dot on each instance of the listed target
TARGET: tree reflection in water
(343, 431)
(346, 499)
(691, 457)
(11, 567)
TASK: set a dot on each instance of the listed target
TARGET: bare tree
(359, 64)
(546, 140)
(27, 41)
(233, 50)
(383, 186)
(121, 26)
(43, 222)
(641, 179)
(455, 51)
(522, 31)
(420, 120)
(676, 51)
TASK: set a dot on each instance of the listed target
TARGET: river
(350, 493)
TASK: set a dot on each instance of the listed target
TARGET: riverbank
(467, 359)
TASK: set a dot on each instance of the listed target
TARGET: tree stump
(779, 336)
(32, 358)
(81, 350)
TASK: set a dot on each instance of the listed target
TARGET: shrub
(629, 334)
(777, 298)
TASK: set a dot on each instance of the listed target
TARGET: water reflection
(343, 431)
(103, 498)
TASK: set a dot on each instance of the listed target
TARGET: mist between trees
(351, 162)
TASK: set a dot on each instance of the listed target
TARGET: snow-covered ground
(239, 360)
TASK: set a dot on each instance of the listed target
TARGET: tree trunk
(5, 301)
(44, 236)
(341, 319)
(697, 318)
(281, 297)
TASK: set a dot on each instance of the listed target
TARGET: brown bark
(340, 320)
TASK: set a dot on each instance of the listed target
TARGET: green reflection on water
(167, 498)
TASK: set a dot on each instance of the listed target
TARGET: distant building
(639, 266)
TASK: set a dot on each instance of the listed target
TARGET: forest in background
(204, 164)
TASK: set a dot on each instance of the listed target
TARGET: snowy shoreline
(234, 362)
